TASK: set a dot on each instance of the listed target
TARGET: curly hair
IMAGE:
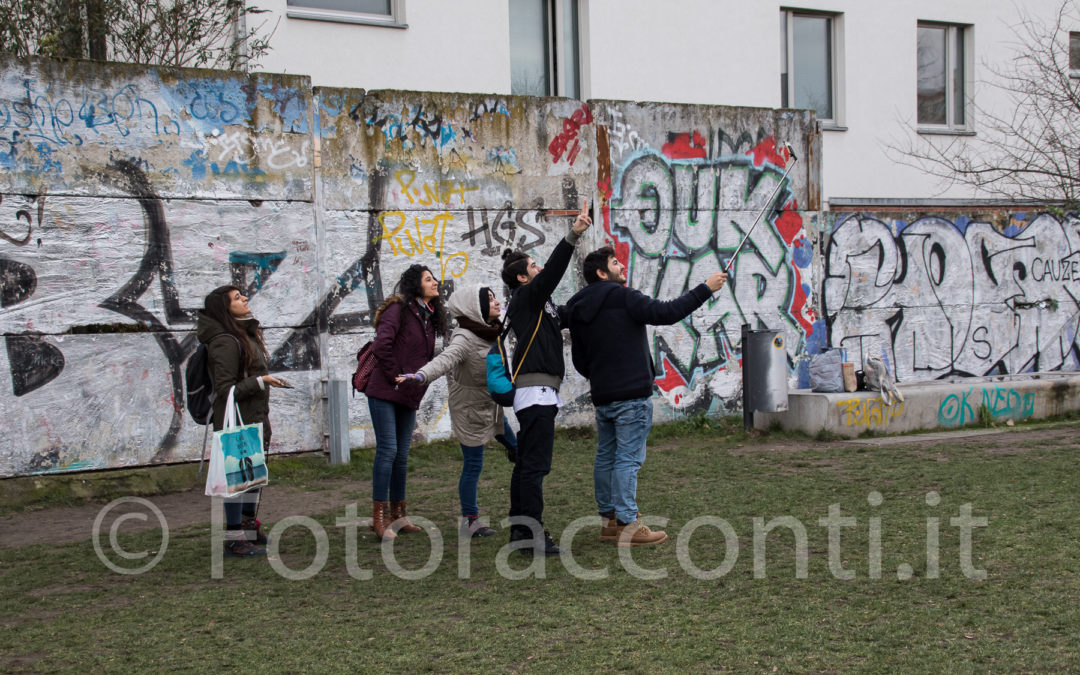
(216, 306)
(514, 263)
(408, 290)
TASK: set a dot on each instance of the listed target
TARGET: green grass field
(705, 606)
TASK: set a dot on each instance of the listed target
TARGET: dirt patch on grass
(62, 589)
(19, 663)
(66, 524)
(803, 466)
(936, 456)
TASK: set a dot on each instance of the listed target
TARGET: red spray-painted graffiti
(569, 135)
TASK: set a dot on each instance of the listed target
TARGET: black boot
(511, 449)
(546, 546)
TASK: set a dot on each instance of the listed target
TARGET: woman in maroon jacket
(405, 329)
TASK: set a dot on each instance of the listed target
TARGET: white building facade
(865, 67)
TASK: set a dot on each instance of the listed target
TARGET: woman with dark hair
(237, 357)
(405, 329)
(474, 417)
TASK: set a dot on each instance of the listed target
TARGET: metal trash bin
(765, 370)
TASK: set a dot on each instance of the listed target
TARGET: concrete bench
(934, 404)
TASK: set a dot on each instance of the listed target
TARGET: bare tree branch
(194, 33)
(1029, 150)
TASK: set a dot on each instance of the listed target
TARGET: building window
(1074, 54)
(373, 12)
(942, 55)
(544, 48)
(810, 63)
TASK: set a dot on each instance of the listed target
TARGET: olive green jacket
(227, 370)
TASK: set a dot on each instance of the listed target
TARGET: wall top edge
(115, 69)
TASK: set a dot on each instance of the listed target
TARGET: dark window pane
(812, 64)
(365, 6)
(529, 48)
(783, 60)
(568, 49)
(1074, 51)
(931, 88)
(958, 78)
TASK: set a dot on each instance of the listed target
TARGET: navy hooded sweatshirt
(609, 345)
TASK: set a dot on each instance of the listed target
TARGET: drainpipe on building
(239, 40)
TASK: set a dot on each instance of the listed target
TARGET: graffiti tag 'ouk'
(674, 216)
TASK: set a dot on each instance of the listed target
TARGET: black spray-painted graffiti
(426, 123)
(300, 350)
(36, 362)
(501, 229)
(940, 298)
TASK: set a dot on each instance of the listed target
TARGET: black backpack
(200, 384)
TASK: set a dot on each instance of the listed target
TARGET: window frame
(396, 18)
(836, 62)
(1073, 72)
(951, 31)
(557, 19)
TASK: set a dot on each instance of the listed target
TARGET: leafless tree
(193, 33)
(1029, 149)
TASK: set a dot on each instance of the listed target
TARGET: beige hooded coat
(474, 417)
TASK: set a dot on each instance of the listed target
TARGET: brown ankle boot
(400, 520)
(380, 521)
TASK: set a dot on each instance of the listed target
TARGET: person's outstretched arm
(454, 354)
(543, 285)
(644, 309)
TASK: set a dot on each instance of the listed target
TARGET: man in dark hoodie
(538, 369)
(610, 348)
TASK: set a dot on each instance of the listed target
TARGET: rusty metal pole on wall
(747, 412)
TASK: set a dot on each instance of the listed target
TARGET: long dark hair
(216, 306)
(408, 291)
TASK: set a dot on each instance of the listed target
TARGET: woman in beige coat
(474, 417)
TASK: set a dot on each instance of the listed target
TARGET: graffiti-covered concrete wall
(685, 186)
(940, 295)
(128, 193)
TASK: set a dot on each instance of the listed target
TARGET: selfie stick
(746, 236)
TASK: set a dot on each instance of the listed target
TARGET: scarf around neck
(484, 331)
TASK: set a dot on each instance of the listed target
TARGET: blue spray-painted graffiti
(998, 402)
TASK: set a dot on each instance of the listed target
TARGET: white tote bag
(237, 460)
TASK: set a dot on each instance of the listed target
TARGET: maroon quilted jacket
(402, 345)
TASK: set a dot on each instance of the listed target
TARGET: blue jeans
(471, 467)
(622, 427)
(236, 508)
(393, 424)
(508, 438)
